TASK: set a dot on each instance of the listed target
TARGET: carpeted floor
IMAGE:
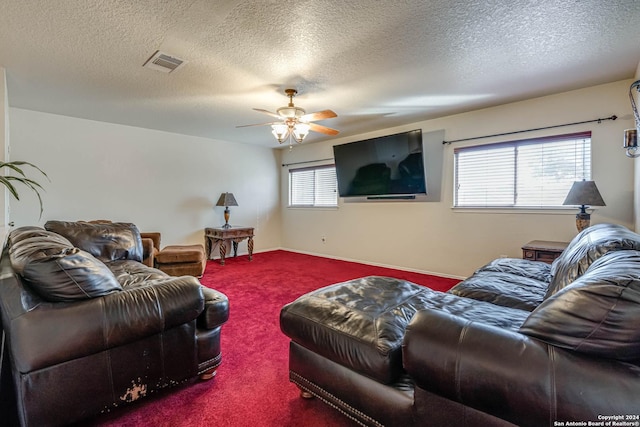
(252, 386)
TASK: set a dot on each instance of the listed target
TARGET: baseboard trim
(376, 264)
(359, 261)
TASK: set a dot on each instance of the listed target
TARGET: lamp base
(583, 220)
(227, 213)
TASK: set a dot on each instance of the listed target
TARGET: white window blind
(535, 173)
(314, 186)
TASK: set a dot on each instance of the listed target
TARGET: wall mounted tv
(385, 168)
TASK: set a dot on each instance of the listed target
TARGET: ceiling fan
(294, 123)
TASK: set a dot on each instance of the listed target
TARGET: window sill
(322, 208)
(528, 210)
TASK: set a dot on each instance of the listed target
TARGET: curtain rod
(531, 130)
(308, 161)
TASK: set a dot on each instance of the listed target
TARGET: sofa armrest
(51, 333)
(216, 309)
(512, 376)
(154, 236)
(148, 252)
(150, 247)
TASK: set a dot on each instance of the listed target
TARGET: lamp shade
(227, 199)
(584, 193)
(280, 131)
(300, 131)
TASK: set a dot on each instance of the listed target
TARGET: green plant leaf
(6, 182)
(15, 166)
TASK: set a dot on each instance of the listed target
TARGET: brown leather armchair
(87, 327)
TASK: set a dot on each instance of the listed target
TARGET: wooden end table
(543, 250)
(220, 235)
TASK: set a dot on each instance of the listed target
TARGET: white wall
(433, 237)
(4, 145)
(158, 180)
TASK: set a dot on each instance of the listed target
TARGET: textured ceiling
(377, 64)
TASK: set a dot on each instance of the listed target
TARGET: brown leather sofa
(518, 343)
(87, 327)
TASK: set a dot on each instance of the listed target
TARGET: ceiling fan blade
(322, 129)
(267, 112)
(259, 124)
(319, 115)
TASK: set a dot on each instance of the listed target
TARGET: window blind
(313, 186)
(527, 173)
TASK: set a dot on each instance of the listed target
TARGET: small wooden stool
(182, 260)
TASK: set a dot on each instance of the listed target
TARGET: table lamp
(583, 194)
(226, 200)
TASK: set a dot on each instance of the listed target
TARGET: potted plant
(9, 180)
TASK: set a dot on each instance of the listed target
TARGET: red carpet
(252, 386)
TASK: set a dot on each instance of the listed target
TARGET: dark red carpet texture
(252, 385)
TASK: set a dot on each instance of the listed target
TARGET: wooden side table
(221, 235)
(542, 250)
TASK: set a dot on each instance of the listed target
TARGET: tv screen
(381, 167)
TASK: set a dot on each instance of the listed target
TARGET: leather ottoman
(356, 323)
(182, 260)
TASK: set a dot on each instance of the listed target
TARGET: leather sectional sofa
(87, 327)
(518, 343)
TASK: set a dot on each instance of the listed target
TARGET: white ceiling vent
(164, 62)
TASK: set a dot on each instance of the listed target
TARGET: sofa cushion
(509, 282)
(133, 274)
(31, 231)
(56, 270)
(536, 270)
(598, 313)
(585, 248)
(106, 241)
(21, 243)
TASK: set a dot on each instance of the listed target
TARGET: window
(314, 186)
(534, 173)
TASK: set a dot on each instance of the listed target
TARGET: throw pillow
(55, 269)
(69, 275)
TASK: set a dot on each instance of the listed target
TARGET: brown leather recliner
(87, 327)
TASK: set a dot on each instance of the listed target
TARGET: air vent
(164, 62)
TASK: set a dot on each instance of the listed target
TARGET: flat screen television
(387, 167)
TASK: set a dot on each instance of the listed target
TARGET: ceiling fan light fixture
(280, 131)
(296, 123)
(291, 112)
(300, 131)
